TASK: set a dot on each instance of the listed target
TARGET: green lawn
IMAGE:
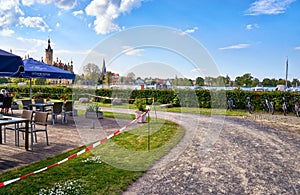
(106, 169)
(206, 111)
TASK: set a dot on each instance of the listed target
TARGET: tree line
(246, 80)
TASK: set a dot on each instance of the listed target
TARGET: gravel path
(259, 154)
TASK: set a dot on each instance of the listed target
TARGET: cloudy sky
(241, 36)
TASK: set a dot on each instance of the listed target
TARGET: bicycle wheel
(271, 109)
(285, 112)
(250, 109)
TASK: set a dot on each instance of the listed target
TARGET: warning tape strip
(5, 183)
(111, 98)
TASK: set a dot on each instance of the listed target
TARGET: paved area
(259, 154)
(62, 137)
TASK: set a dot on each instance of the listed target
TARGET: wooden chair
(39, 124)
(27, 114)
(57, 109)
(68, 109)
(26, 104)
(39, 101)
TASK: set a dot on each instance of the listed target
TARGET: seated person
(4, 92)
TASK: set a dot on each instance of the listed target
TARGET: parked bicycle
(296, 106)
(230, 104)
(268, 106)
(284, 106)
(249, 105)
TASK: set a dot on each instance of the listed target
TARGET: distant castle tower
(49, 54)
(49, 60)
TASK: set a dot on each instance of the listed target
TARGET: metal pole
(30, 86)
(148, 131)
(286, 72)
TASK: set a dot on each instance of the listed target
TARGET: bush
(180, 97)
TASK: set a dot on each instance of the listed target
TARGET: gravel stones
(251, 155)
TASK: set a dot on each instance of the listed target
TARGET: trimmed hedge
(180, 97)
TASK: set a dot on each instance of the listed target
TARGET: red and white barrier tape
(111, 98)
(5, 183)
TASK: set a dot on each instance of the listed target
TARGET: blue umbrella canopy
(9, 63)
(37, 69)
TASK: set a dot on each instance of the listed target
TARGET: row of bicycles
(267, 105)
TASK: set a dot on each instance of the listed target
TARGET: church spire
(49, 46)
(103, 68)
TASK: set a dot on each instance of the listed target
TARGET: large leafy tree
(199, 81)
(130, 78)
(91, 72)
(244, 81)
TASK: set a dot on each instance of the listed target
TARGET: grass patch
(106, 169)
(190, 110)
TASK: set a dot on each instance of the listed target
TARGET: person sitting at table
(4, 92)
(1, 98)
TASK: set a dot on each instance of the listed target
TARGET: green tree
(281, 82)
(295, 82)
(228, 81)
(91, 72)
(108, 78)
(255, 82)
(220, 81)
(274, 82)
(210, 81)
(247, 80)
(3, 80)
(183, 82)
(267, 82)
(130, 78)
(238, 81)
(199, 81)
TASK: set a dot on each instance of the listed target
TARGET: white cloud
(9, 15)
(34, 22)
(128, 5)
(57, 25)
(65, 4)
(238, 46)
(297, 48)
(251, 26)
(76, 13)
(132, 51)
(6, 32)
(191, 30)
(33, 47)
(197, 70)
(268, 7)
(62, 4)
(107, 11)
(33, 42)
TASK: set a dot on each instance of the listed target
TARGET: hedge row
(186, 98)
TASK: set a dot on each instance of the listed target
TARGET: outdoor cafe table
(7, 120)
(40, 105)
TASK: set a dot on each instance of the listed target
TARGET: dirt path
(259, 154)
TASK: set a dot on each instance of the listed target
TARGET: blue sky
(241, 36)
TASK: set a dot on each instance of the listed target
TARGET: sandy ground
(257, 154)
